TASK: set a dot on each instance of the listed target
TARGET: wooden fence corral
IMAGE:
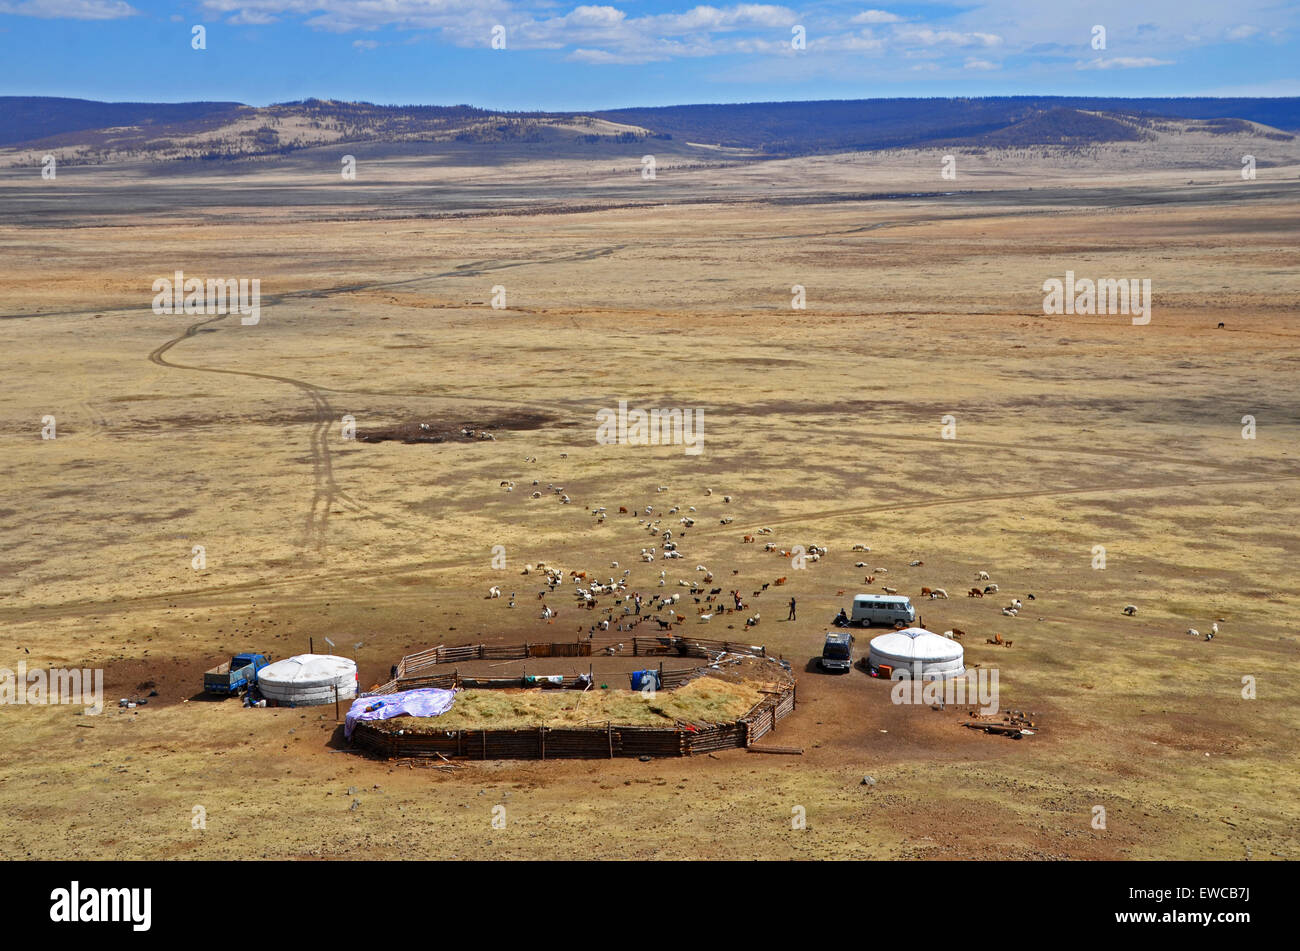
(603, 742)
(579, 649)
(692, 647)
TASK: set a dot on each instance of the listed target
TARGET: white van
(888, 609)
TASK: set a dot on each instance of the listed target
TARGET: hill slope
(84, 132)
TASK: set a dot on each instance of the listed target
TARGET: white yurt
(308, 679)
(919, 653)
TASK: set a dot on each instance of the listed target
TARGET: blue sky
(561, 55)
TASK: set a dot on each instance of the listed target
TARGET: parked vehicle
(236, 674)
(837, 652)
(888, 609)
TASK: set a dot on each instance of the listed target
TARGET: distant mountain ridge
(845, 124)
(31, 118)
(104, 131)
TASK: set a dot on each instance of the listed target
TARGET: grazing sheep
(1214, 629)
(915, 564)
(1009, 612)
(859, 564)
(925, 592)
(708, 491)
(939, 593)
(860, 548)
(1193, 632)
(1131, 610)
(975, 593)
(494, 592)
(891, 591)
(982, 576)
(1015, 603)
(726, 498)
(706, 617)
(779, 581)
(990, 589)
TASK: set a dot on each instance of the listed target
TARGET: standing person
(791, 617)
(637, 598)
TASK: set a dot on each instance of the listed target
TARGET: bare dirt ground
(823, 424)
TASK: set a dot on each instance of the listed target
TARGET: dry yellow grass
(702, 702)
(823, 424)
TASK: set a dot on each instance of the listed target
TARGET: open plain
(924, 300)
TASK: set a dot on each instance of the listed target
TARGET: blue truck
(236, 674)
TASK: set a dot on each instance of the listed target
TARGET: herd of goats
(628, 608)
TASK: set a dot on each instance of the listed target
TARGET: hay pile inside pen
(702, 702)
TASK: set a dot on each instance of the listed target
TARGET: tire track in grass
(325, 490)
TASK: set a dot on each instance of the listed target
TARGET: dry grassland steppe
(924, 300)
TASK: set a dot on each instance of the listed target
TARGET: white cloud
(1124, 62)
(851, 41)
(876, 16)
(365, 44)
(252, 18)
(596, 16)
(605, 58)
(614, 32)
(928, 37)
(71, 9)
